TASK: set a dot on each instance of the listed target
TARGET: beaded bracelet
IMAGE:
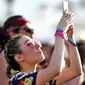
(62, 34)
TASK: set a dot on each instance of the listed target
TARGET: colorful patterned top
(51, 82)
(23, 79)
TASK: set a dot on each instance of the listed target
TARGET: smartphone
(64, 5)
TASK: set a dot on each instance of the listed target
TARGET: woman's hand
(65, 21)
(70, 35)
(70, 31)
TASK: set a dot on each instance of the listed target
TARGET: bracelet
(71, 42)
(63, 35)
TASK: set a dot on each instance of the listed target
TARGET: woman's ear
(18, 57)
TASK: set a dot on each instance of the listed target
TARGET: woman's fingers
(70, 31)
(68, 15)
(65, 12)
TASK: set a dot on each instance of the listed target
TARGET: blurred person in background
(1, 40)
(18, 25)
(81, 48)
(3, 78)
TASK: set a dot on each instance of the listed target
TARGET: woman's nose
(38, 44)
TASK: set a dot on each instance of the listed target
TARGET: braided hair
(11, 49)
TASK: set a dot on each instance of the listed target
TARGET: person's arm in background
(75, 68)
(3, 77)
(54, 66)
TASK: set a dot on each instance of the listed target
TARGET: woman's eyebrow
(26, 41)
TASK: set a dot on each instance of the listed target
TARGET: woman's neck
(28, 68)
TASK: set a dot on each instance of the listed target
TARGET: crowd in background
(47, 50)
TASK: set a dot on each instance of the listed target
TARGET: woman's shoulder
(24, 78)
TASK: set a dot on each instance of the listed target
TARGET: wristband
(63, 35)
(71, 42)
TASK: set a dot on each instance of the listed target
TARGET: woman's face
(31, 50)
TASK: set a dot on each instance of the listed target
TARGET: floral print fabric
(23, 79)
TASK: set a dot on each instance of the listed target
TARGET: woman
(13, 26)
(23, 54)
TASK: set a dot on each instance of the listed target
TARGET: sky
(29, 8)
(42, 22)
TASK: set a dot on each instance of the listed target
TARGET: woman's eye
(28, 44)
